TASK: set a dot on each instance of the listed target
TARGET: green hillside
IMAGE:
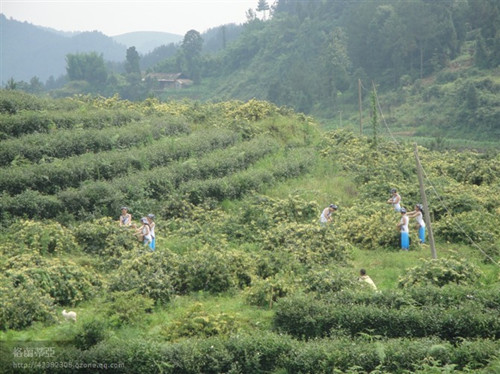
(433, 63)
(244, 278)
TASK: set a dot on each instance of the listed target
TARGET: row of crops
(67, 166)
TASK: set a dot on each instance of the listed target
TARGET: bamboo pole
(424, 203)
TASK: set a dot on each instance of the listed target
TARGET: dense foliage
(205, 171)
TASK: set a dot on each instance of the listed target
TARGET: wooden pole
(360, 109)
(424, 203)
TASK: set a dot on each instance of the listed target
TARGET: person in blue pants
(152, 226)
(418, 215)
(403, 228)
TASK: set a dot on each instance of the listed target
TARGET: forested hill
(440, 57)
(433, 63)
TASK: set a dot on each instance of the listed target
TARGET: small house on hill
(163, 81)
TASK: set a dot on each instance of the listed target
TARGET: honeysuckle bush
(105, 238)
(24, 303)
(264, 292)
(152, 274)
(126, 307)
(457, 184)
(63, 280)
(370, 226)
(307, 243)
(196, 322)
(440, 272)
(43, 237)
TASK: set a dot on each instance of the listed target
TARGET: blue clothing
(421, 234)
(405, 240)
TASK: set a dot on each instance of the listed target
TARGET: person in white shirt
(395, 200)
(417, 214)
(366, 278)
(405, 233)
(125, 217)
(326, 215)
(144, 232)
(152, 226)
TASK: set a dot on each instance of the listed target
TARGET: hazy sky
(114, 17)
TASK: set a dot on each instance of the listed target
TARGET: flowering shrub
(43, 237)
(66, 282)
(22, 304)
(196, 322)
(440, 272)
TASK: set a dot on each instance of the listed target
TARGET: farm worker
(363, 277)
(152, 226)
(144, 232)
(403, 227)
(395, 200)
(326, 215)
(126, 217)
(417, 214)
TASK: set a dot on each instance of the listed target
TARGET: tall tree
(88, 67)
(132, 62)
(263, 6)
(336, 63)
(192, 45)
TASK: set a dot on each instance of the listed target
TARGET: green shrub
(305, 317)
(43, 237)
(327, 280)
(264, 292)
(127, 307)
(30, 204)
(198, 323)
(206, 269)
(440, 272)
(105, 238)
(66, 282)
(370, 227)
(154, 275)
(264, 352)
(309, 243)
(14, 101)
(22, 304)
(90, 333)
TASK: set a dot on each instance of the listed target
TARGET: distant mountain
(28, 50)
(146, 41)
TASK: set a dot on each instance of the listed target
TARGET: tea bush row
(235, 186)
(71, 172)
(306, 318)
(268, 352)
(445, 297)
(13, 101)
(64, 143)
(29, 122)
(105, 197)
